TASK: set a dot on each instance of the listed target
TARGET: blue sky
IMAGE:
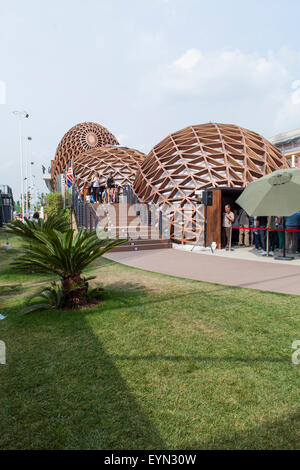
(143, 69)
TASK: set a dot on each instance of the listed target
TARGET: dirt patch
(91, 303)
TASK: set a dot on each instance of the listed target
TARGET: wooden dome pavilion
(79, 139)
(197, 158)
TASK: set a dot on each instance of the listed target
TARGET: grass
(162, 363)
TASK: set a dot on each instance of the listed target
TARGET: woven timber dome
(201, 157)
(79, 139)
(123, 162)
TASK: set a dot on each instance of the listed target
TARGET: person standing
(261, 223)
(91, 192)
(292, 223)
(228, 218)
(101, 190)
(96, 185)
(279, 225)
(244, 221)
(110, 187)
(256, 238)
(85, 190)
(272, 234)
(36, 217)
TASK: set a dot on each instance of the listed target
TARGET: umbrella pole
(284, 257)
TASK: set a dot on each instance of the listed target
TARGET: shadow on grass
(62, 390)
(9, 273)
(67, 391)
(277, 434)
(122, 291)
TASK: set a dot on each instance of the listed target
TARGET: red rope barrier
(264, 229)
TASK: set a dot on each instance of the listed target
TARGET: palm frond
(35, 308)
(27, 229)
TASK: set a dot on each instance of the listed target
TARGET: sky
(143, 69)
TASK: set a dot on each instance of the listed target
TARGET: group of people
(101, 190)
(253, 230)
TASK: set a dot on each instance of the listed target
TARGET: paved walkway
(243, 253)
(268, 275)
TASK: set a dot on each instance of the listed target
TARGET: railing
(85, 213)
(151, 215)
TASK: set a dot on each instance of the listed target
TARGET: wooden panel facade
(214, 219)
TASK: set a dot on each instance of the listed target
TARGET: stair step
(124, 222)
(140, 245)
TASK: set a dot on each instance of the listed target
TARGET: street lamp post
(32, 183)
(20, 115)
(29, 139)
(26, 192)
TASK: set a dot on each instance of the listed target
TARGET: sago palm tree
(65, 254)
(28, 228)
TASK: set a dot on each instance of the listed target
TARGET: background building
(6, 204)
(289, 144)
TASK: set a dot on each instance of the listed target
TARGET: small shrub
(55, 207)
(53, 297)
(55, 204)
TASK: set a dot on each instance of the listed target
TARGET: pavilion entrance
(213, 213)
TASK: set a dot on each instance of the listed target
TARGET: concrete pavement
(268, 275)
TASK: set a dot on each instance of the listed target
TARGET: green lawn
(162, 363)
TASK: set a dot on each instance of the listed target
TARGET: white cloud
(2, 92)
(189, 60)
(295, 84)
(222, 72)
(295, 98)
(259, 91)
(289, 113)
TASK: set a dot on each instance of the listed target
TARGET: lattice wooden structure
(79, 139)
(123, 162)
(202, 157)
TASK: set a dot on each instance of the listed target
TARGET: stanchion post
(205, 226)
